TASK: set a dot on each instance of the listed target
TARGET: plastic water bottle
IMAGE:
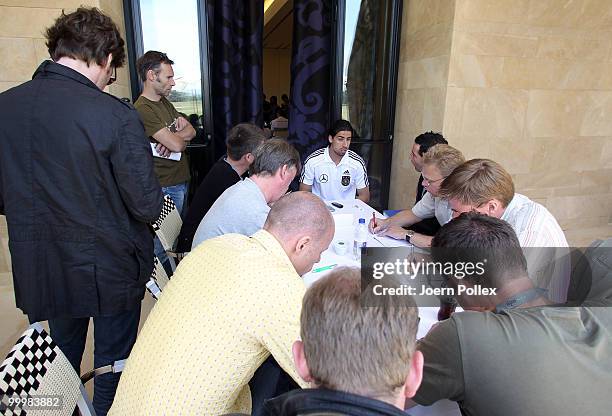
(361, 238)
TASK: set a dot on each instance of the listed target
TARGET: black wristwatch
(409, 235)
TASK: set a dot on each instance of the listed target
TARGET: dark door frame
(387, 62)
(135, 47)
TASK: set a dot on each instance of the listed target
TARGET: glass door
(364, 83)
(172, 27)
(179, 29)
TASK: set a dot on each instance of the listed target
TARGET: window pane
(172, 27)
(350, 24)
(359, 65)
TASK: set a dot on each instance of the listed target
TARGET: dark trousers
(429, 226)
(269, 381)
(114, 337)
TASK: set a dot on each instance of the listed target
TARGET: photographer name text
(406, 290)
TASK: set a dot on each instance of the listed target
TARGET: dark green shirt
(533, 361)
(157, 115)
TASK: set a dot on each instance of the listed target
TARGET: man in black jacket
(362, 360)
(78, 189)
(422, 143)
(242, 139)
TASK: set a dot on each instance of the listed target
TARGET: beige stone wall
(114, 8)
(22, 44)
(22, 49)
(530, 86)
(422, 84)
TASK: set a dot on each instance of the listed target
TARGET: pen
(322, 269)
(374, 219)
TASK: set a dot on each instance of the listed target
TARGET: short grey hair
(272, 155)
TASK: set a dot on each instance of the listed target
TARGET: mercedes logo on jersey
(323, 178)
(346, 178)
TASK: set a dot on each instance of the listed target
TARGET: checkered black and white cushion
(158, 279)
(35, 366)
(168, 225)
(27, 363)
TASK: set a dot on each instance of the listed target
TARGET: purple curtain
(310, 75)
(236, 42)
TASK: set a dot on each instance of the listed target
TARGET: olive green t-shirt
(156, 116)
(533, 361)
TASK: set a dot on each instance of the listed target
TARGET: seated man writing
(438, 163)
(509, 353)
(362, 360)
(484, 186)
(243, 207)
(230, 304)
(335, 172)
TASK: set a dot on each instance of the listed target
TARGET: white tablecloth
(346, 219)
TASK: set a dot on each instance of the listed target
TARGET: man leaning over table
(509, 353)
(166, 128)
(244, 206)
(242, 140)
(335, 171)
(362, 360)
(484, 186)
(439, 161)
(231, 303)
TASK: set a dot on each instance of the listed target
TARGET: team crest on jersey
(323, 178)
(346, 178)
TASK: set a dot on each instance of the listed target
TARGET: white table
(346, 219)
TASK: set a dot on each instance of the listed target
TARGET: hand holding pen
(377, 225)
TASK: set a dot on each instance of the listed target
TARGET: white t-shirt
(330, 181)
(430, 206)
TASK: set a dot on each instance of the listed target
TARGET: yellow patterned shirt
(232, 302)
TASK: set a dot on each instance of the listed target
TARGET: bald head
(303, 225)
(299, 212)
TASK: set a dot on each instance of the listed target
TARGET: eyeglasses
(429, 181)
(113, 76)
(468, 208)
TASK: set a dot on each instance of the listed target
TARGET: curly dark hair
(86, 34)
